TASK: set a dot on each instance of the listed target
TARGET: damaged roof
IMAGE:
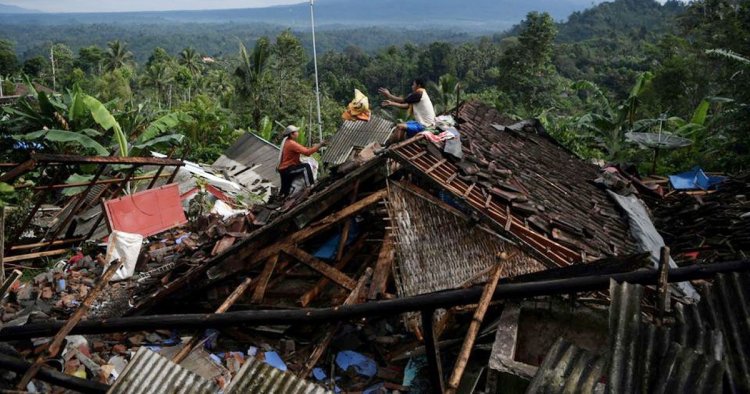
(250, 161)
(517, 169)
(354, 135)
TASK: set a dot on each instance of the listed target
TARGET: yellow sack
(358, 108)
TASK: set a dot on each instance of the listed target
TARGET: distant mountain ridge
(12, 9)
(472, 14)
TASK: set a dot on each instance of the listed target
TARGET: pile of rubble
(401, 273)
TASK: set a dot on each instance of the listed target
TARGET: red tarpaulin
(146, 213)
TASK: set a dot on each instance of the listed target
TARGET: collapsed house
(366, 284)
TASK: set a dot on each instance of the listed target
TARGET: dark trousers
(289, 174)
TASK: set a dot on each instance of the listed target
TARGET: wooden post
(195, 340)
(382, 267)
(662, 303)
(471, 335)
(262, 283)
(57, 340)
(2, 243)
(317, 353)
(8, 282)
(433, 351)
(347, 225)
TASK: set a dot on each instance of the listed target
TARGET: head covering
(289, 130)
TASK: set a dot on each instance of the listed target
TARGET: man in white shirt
(419, 105)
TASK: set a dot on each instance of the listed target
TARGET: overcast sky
(139, 5)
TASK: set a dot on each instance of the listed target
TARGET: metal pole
(1, 86)
(315, 62)
(52, 60)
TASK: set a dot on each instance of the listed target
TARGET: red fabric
(291, 153)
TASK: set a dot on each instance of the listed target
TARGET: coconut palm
(251, 76)
(445, 92)
(117, 56)
(158, 76)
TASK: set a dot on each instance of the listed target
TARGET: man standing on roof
(290, 167)
(419, 105)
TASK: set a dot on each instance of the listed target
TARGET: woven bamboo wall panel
(439, 250)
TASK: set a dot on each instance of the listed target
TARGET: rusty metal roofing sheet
(148, 212)
(258, 377)
(250, 161)
(356, 135)
(567, 369)
(148, 372)
(439, 248)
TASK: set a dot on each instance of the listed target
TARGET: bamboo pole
(471, 335)
(195, 340)
(444, 299)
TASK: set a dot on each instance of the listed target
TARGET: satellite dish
(656, 141)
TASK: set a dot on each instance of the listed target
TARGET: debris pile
(393, 275)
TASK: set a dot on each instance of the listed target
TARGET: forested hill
(473, 15)
(618, 17)
(12, 9)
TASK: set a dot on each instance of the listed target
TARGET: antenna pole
(315, 62)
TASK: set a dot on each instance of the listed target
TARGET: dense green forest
(622, 66)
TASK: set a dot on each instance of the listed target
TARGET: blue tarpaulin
(694, 179)
(328, 250)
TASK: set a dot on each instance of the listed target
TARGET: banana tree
(77, 120)
(606, 125)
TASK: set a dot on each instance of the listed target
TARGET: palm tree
(251, 75)
(158, 76)
(117, 55)
(445, 92)
(191, 60)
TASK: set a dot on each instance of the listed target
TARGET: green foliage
(8, 59)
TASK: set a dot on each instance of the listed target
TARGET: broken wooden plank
(322, 346)
(262, 282)
(347, 226)
(311, 294)
(432, 350)
(382, 267)
(435, 166)
(471, 335)
(57, 340)
(328, 271)
(31, 256)
(196, 339)
(8, 282)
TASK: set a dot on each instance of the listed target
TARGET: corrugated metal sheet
(644, 358)
(439, 248)
(149, 372)
(251, 161)
(649, 359)
(567, 369)
(356, 135)
(260, 378)
(725, 307)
